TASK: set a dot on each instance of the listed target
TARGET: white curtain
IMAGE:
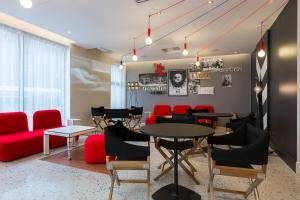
(34, 73)
(10, 62)
(118, 87)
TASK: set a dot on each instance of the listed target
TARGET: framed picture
(226, 80)
(178, 82)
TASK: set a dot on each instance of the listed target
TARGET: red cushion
(54, 141)
(18, 145)
(150, 120)
(13, 122)
(94, 149)
(46, 119)
(181, 109)
(205, 121)
(208, 107)
(162, 110)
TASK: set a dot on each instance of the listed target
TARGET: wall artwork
(206, 90)
(226, 80)
(199, 75)
(193, 86)
(154, 83)
(178, 82)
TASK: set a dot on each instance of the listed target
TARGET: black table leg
(176, 166)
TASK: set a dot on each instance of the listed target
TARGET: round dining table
(212, 115)
(176, 131)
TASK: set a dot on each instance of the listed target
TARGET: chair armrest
(233, 125)
(236, 138)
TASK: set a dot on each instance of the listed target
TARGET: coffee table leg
(46, 144)
(69, 143)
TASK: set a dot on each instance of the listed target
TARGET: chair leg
(148, 184)
(256, 194)
(163, 173)
(112, 175)
(252, 186)
(211, 188)
(117, 178)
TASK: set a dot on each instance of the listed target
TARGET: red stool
(94, 149)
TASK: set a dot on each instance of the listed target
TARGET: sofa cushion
(162, 110)
(181, 109)
(46, 119)
(18, 145)
(13, 122)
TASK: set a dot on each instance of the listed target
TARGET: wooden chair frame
(254, 175)
(183, 159)
(114, 166)
(97, 121)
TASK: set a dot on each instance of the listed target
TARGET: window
(34, 73)
(118, 87)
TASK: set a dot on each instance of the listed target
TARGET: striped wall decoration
(262, 74)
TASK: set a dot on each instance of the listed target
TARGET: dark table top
(213, 115)
(176, 130)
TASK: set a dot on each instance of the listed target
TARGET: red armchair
(16, 141)
(181, 109)
(205, 108)
(47, 119)
(158, 110)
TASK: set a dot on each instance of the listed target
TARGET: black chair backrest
(185, 118)
(191, 111)
(172, 120)
(258, 140)
(116, 113)
(136, 110)
(97, 111)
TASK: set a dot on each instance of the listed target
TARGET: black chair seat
(181, 146)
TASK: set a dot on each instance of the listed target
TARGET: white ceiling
(111, 24)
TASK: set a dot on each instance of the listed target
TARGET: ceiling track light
(134, 56)
(149, 39)
(185, 51)
(26, 3)
(261, 53)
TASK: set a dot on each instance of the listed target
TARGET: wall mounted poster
(153, 83)
(193, 86)
(226, 80)
(178, 82)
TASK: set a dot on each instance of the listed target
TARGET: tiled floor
(31, 178)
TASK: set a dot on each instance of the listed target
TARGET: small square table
(69, 132)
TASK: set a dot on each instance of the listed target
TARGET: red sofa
(181, 109)
(47, 119)
(16, 141)
(158, 110)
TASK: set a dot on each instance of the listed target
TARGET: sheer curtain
(118, 87)
(34, 73)
(10, 62)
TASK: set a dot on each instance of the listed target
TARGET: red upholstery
(94, 149)
(15, 139)
(158, 110)
(47, 119)
(181, 109)
(209, 109)
(13, 122)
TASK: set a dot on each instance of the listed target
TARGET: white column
(298, 90)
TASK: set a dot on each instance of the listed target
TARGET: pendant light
(257, 89)
(134, 56)
(185, 51)
(121, 64)
(197, 62)
(26, 3)
(149, 39)
(261, 53)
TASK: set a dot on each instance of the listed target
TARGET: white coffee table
(69, 132)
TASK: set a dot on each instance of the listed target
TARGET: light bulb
(197, 63)
(261, 53)
(148, 40)
(26, 3)
(121, 66)
(134, 58)
(257, 89)
(185, 52)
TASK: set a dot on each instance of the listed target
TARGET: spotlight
(26, 3)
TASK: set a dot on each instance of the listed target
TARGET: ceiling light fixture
(134, 56)
(261, 53)
(121, 64)
(26, 3)
(149, 39)
(210, 2)
(197, 62)
(185, 51)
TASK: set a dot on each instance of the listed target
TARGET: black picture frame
(177, 83)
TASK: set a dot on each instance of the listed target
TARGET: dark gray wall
(235, 99)
(283, 84)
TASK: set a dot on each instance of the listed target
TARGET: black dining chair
(236, 123)
(185, 149)
(249, 161)
(113, 115)
(98, 116)
(136, 117)
(121, 155)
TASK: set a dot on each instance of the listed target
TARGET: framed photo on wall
(177, 82)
